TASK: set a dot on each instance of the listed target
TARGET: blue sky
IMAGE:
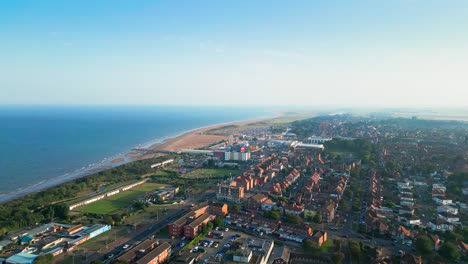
(378, 53)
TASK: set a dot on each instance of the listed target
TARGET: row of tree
(50, 203)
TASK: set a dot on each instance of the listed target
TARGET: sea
(41, 146)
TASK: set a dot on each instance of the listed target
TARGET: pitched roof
(154, 253)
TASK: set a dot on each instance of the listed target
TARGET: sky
(353, 53)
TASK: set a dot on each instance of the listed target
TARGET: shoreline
(178, 141)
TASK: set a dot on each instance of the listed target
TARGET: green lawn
(326, 247)
(343, 153)
(147, 187)
(217, 172)
(110, 204)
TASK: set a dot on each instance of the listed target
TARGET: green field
(112, 203)
(149, 186)
(218, 172)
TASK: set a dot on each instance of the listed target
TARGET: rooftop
(131, 254)
(154, 253)
(200, 220)
(21, 258)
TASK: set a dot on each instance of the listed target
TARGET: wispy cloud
(211, 47)
(273, 53)
(202, 45)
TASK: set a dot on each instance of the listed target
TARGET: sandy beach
(197, 138)
(192, 139)
(118, 160)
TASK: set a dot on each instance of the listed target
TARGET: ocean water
(43, 145)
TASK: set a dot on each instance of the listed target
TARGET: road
(145, 231)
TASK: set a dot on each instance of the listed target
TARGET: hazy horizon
(343, 54)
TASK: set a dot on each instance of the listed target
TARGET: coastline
(193, 138)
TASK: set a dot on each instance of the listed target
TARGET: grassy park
(216, 172)
(147, 187)
(120, 200)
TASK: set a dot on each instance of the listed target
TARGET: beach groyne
(105, 195)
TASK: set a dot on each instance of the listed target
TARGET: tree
(424, 245)
(116, 217)
(345, 207)
(159, 200)
(209, 226)
(211, 163)
(311, 247)
(293, 219)
(348, 193)
(389, 204)
(204, 229)
(218, 222)
(337, 257)
(139, 205)
(337, 244)
(317, 218)
(354, 248)
(108, 220)
(234, 208)
(96, 262)
(449, 251)
(271, 215)
(60, 210)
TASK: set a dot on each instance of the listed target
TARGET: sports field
(217, 172)
(149, 186)
(117, 201)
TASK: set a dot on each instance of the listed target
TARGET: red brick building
(230, 192)
(157, 255)
(139, 251)
(199, 209)
(319, 237)
(176, 228)
(256, 201)
(327, 212)
(193, 229)
(218, 209)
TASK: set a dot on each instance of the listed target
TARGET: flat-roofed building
(230, 192)
(327, 212)
(218, 209)
(74, 229)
